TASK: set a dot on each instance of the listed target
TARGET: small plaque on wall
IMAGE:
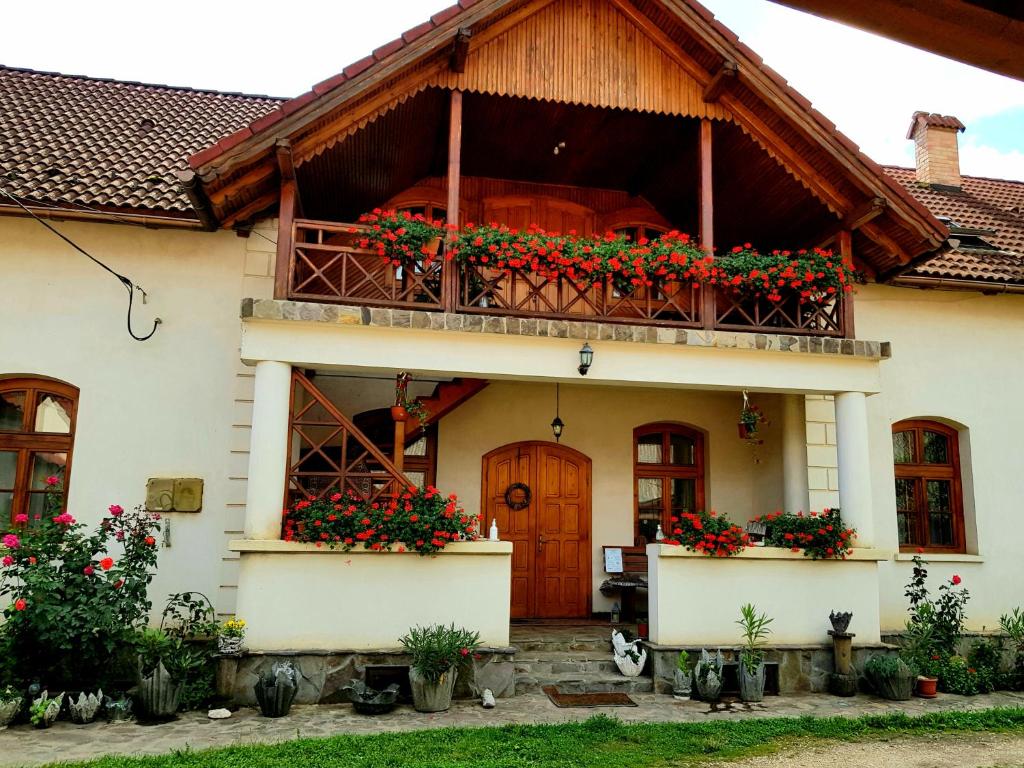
(174, 494)
(613, 559)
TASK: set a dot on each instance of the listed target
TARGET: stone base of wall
(322, 675)
(802, 669)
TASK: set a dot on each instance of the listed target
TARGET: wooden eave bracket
(460, 50)
(286, 167)
(726, 74)
(864, 213)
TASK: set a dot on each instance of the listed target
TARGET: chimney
(935, 149)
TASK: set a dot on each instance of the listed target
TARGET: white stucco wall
(957, 357)
(160, 408)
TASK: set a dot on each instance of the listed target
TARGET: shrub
(820, 536)
(755, 630)
(76, 597)
(707, 532)
(437, 648)
(957, 675)
(1013, 625)
(945, 616)
(420, 519)
(190, 622)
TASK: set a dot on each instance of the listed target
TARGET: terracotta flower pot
(926, 687)
(399, 413)
(432, 246)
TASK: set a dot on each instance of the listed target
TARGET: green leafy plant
(233, 628)
(755, 631)
(438, 648)
(419, 519)
(683, 661)
(917, 646)
(957, 675)
(1013, 625)
(190, 616)
(707, 532)
(945, 615)
(74, 596)
(821, 536)
(9, 693)
(190, 622)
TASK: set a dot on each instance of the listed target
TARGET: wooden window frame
(667, 472)
(920, 472)
(27, 441)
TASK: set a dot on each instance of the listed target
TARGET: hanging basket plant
(751, 420)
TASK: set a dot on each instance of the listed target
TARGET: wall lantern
(586, 358)
(557, 425)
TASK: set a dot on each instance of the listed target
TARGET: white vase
(8, 711)
(631, 668)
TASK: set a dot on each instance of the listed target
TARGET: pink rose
(52, 480)
(116, 510)
(88, 570)
(11, 541)
(22, 518)
(8, 560)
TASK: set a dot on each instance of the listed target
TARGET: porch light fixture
(586, 358)
(557, 425)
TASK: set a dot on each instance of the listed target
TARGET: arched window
(37, 432)
(668, 476)
(929, 498)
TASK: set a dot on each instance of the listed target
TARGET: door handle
(540, 543)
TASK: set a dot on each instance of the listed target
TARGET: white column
(268, 449)
(795, 494)
(854, 465)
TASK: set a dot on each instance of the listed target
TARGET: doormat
(587, 699)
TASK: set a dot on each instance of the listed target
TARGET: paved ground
(982, 750)
(24, 746)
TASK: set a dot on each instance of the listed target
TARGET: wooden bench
(626, 582)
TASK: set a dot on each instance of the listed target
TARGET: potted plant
(751, 419)
(44, 710)
(118, 708)
(230, 637)
(276, 692)
(159, 692)
(629, 658)
(707, 675)
(751, 668)
(891, 677)
(918, 650)
(437, 651)
(682, 678)
(10, 705)
(369, 701)
(83, 710)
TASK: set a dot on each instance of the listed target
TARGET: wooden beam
(286, 167)
(887, 242)
(707, 216)
(460, 50)
(866, 212)
(250, 209)
(450, 289)
(285, 236)
(845, 238)
(721, 80)
(254, 175)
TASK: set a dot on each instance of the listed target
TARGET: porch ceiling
(642, 154)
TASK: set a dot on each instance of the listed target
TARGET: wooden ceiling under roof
(630, 79)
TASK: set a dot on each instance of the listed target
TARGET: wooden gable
(587, 52)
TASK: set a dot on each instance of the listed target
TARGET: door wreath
(517, 496)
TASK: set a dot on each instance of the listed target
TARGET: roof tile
(417, 32)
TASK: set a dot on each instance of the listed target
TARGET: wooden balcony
(326, 264)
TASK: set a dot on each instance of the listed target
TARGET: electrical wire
(126, 282)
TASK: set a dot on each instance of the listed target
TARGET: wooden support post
(450, 289)
(845, 238)
(285, 238)
(707, 218)
(399, 453)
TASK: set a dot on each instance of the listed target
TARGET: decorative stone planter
(8, 711)
(707, 675)
(51, 711)
(119, 710)
(429, 696)
(894, 687)
(84, 709)
(159, 695)
(276, 692)
(229, 646)
(751, 685)
(370, 701)
(682, 683)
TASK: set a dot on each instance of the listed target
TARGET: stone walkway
(24, 746)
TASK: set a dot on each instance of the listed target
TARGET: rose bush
(76, 596)
(419, 519)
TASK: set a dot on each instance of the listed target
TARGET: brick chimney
(935, 148)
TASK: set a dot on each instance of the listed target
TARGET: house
(272, 371)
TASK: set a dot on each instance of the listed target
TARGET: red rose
(956, 580)
(107, 563)
(150, 541)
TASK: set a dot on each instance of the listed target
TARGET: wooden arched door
(551, 571)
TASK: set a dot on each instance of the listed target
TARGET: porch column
(268, 449)
(854, 465)
(795, 493)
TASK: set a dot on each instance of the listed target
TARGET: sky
(867, 85)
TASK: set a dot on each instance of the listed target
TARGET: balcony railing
(326, 264)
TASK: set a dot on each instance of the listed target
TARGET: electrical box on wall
(178, 494)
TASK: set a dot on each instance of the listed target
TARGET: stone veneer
(342, 314)
(802, 668)
(322, 675)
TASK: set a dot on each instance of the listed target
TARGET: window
(668, 473)
(37, 431)
(929, 500)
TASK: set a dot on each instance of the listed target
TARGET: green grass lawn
(600, 742)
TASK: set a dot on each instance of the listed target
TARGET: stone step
(554, 663)
(563, 643)
(585, 682)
